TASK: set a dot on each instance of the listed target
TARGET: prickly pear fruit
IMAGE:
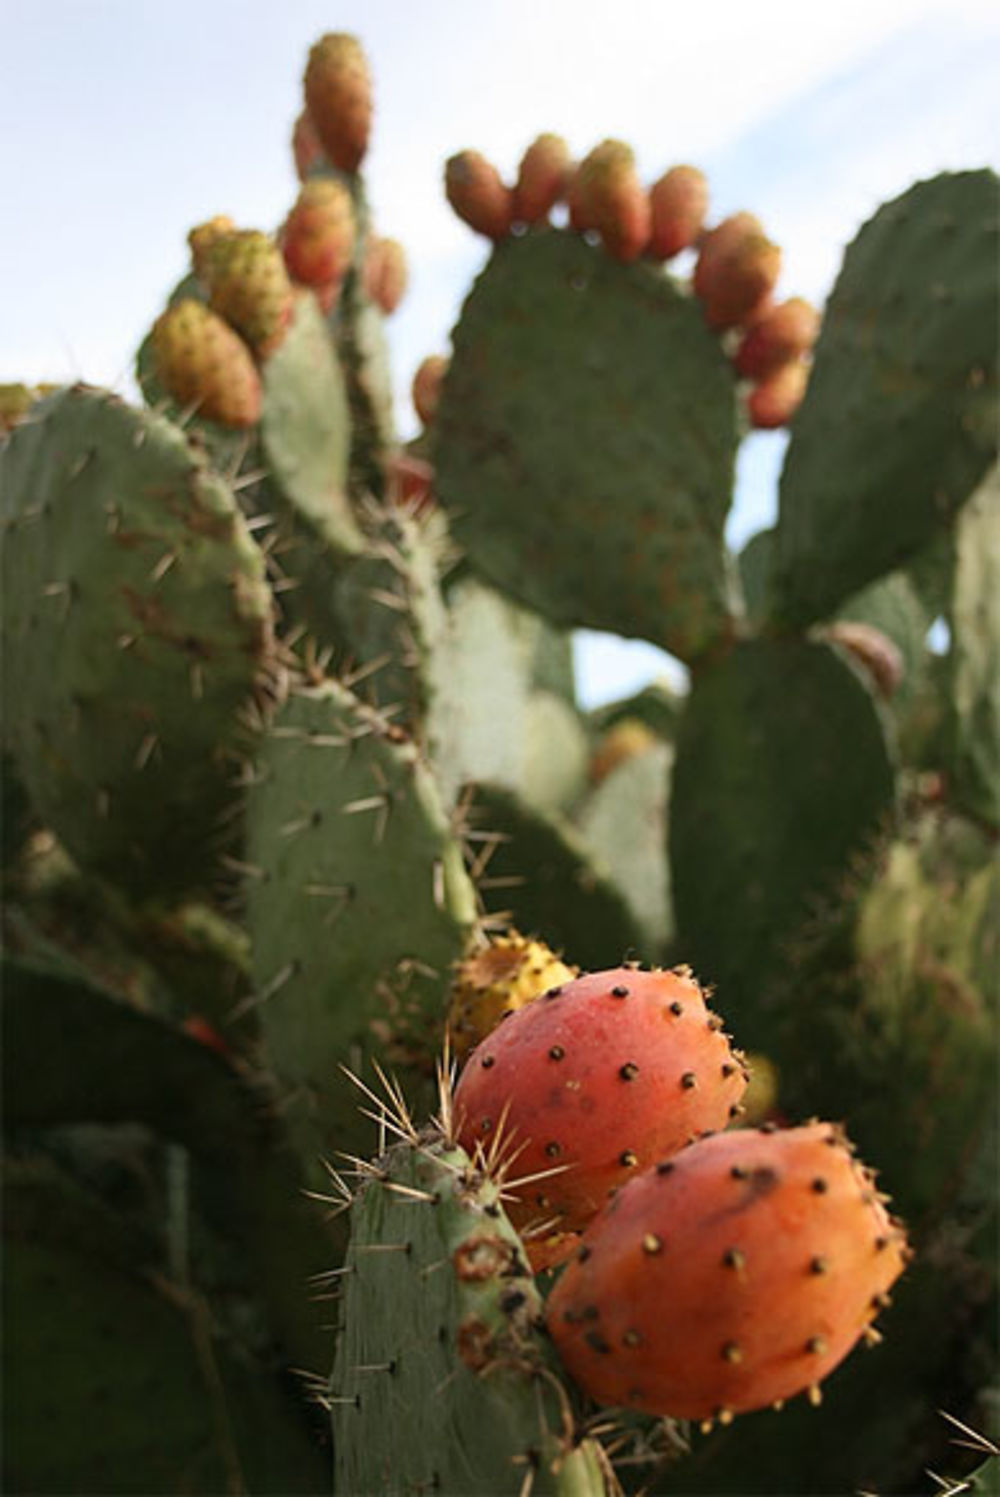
(426, 388)
(202, 362)
(307, 148)
(614, 199)
(784, 333)
(624, 740)
(610, 155)
(338, 90)
(248, 285)
(317, 238)
(16, 401)
(596, 1079)
(678, 203)
(774, 401)
(385, 274)
(202, 237)
(736, 270)
(879, 657)
(542, 179)
(499, 978)
(476, 191)
(730, 1277)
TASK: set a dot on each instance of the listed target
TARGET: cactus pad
(621, 531)
(898, 424)
(442, 1380)
(137, 633)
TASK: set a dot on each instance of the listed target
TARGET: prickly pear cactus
(138, 638)
(442, 1380)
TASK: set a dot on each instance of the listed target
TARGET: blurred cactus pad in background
(371, 1125)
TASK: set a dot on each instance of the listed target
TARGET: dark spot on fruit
(820, 1186)
(819, 1264)
(590, 1312)
(542, 1201)
(556, 1052)
(727, 1068)
(881, 1301)
(816, 1346)
(554, 993)
(485, 1124)
(740, 1172)
(733, 1258)
(570, 1317)
(583, 1254)
(689, 1080)
(665, 1167)
(627, 1159)
(619, 991)
(628, 1070)
(732, 1353)
(553, 1149)
(652, 1244)
(677, 1008)
(715, 1023)
(596, 1342)
(631, 1338)
(736, 1110)
(768, 1128)
(487, 1061)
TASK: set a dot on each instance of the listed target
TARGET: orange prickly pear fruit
(248, 285)
(338, 90)
(307, 148)
(202, 362)
(597, 1078)
(542, 178)
(874, 651)
(784, 333)
(774, 401)
(317, 238)
(476, 191)
(614, 200)
(678, 203)
(624, 740)
(730, 1277)
(610, 155)
(427, 382)
(737, 268)
(386, 273)
(203, 236)
(496, 980)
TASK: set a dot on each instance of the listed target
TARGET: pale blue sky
(124, 122)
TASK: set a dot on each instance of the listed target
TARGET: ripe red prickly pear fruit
(202, 362)
(476, 191)
(599, 1078)
(317, 237)
(610, 198)
(307, 148)
(733, 1276)
(784, 333)
(248, 285)
(203, 236)
(386, 274)
(426, 388)
(876, 653)
(338, 90)
(737, 268)
(678, 204)
(542, 178)
(774, 401)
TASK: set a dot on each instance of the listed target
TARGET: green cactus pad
(585, 443)
(624, 821)
(305, 429)
(358, 901)
(782, 778)
(538, 871)
(125, 1366)
(443, 1381)
(898, 425)
(137, 638)
(973, 731)
(756, 564)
